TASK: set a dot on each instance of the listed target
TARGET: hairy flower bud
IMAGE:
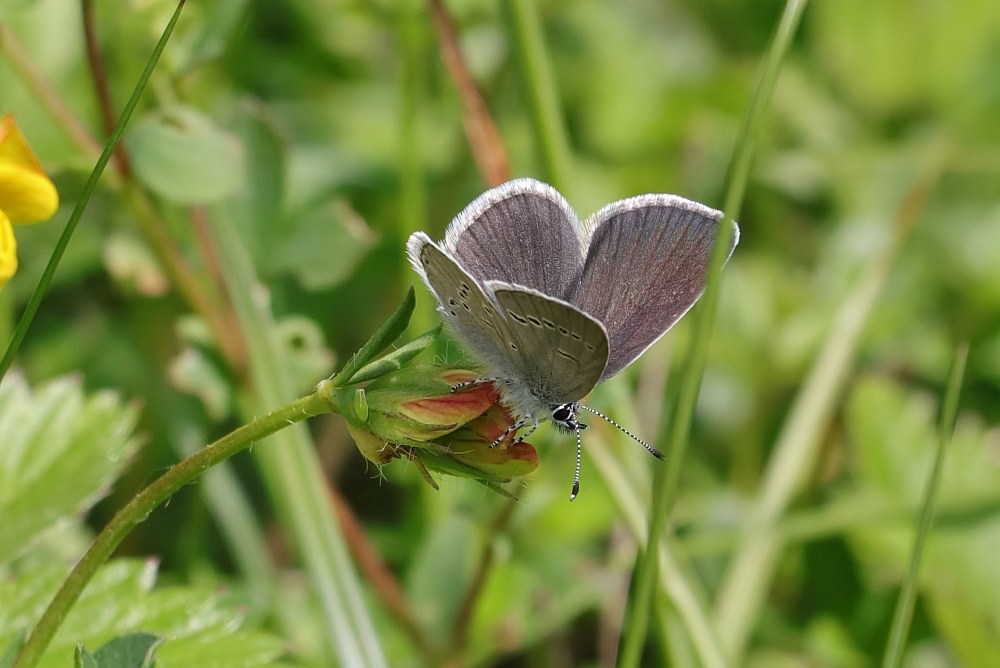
(413, 413)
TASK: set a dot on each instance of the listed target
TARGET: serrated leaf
(59, 451)
(131, 650)
(184, 157)
(199, 624)
(894, 455)
(959, 579)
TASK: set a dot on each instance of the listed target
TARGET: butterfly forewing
(559, 351)
(645, 267)
(523, 232)
(462, 302)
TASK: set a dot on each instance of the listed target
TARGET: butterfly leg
(472, 383)
(522, 422)
(522, 437)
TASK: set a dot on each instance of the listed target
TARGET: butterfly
(552, 307)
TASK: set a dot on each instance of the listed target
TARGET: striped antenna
(653, 451)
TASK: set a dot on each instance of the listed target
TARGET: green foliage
(185, 158)
(282, 153)
(134, 650)
(59, 452)
(197, 623)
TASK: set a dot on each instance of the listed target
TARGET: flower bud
(413, 413)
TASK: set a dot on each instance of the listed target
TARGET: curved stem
(139, 508)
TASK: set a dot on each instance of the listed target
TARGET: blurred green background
(328, 131)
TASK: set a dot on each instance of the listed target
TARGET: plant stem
(484, 139)
(88, 190)
(99, 77)
(676, 583)
(487, 555)
(290, 471)
(665, 484)
(907, 595)
(46, 94)
(543, 100)
(139, 508)
(747, 578)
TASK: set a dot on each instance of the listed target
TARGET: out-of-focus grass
(348, 133)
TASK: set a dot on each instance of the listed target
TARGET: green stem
(88, 190)
(291, 471)
(412, 196)
(665, 484)
(744, 586)
(907, 596)
(23, 64)
(139, 508)
(675, 582)
(543, 100)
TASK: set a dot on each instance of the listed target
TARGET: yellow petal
(26, 193)
(8, 250)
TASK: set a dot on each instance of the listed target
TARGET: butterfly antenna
(579, 457)
(653, 451)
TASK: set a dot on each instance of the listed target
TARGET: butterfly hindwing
(559, 351)
(523, 232)
(462, 302)
(645, 267)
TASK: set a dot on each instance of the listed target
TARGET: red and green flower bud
(412, 412)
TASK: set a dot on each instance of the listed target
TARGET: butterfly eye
(561, 413)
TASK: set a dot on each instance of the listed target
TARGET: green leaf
(199, 625)
(7, 660)
(893, 455)
(184, 157)
(59, 452)
(259, 207)
(397, 358)
(441, 571)
(323, 246)
(83, 658)
(390, 330)
(132, 650)
(306, 354)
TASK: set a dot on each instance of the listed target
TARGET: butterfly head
(564, 417)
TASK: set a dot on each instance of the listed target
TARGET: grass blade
(908, 594)
(745, 583)
(289, 466)
(644, 582)
(88, 190)
(529, 49)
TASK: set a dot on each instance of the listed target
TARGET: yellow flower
(26, 193)
(8, 250)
